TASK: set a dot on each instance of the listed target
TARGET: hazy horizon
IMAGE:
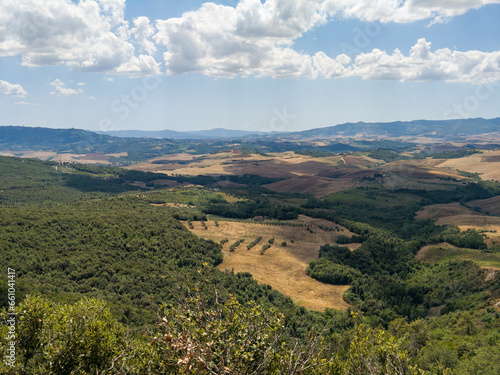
(275, 65)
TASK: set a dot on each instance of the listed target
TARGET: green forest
(107, 280)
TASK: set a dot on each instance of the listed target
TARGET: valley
(402, 232)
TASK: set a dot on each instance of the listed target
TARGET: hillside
(122, 150)
(444, 129)
(219, 243)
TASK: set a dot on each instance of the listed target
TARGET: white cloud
(27, 104)
(61, 89)
(253, 38)
(143, 31)
(90, 35)
(330, 68)
(401, 11)
(424, 65)
(10, 89)
(256, 38)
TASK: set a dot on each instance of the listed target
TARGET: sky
(255, 65)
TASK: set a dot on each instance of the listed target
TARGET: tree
(234, 338)
(68, 339)
(374, 351)
(229, 338)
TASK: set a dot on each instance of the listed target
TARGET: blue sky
(282, 65)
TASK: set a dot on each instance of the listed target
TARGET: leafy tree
(69, 339)
(374, 351)
(229, 339)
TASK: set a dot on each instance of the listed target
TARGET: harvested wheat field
(280, 165)
(463, 218)
(95, 158)
(460, 216)
(282, 267)
(486, 164)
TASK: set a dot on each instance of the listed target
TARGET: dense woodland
(108, 281)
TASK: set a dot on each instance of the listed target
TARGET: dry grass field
(460, 216)
(317, 176)
(305, 174)
(463, 218)
(95, 158)
(282, 267)
(44, 155)
(486, 164)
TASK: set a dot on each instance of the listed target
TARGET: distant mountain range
(340, 138)
(449, 129)
(418, 128)
(217, 133)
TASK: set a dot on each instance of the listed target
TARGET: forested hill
(17, 138)
(160, 143)
(69, 140)
(448, 129)
(75, 141)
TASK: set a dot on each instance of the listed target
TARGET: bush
(264, 248)
(329, 272)
(254, 242)
(236, 244)
(82, 338)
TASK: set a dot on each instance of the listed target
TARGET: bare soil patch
(446, 213)
(490, 205)
(317, 186)
(165, 182)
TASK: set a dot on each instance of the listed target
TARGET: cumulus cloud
(421, 64)
(90, 35)
(143, 31)
(61, 89)
(256, 38)
(402, 11)
(10, 89)
(252, 38)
